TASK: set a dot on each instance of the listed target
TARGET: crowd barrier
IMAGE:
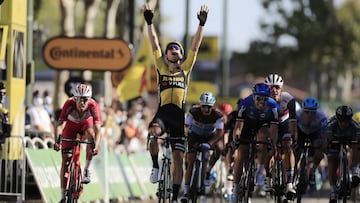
(12, 170)
(114, 176)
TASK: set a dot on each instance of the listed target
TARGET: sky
(243, 20)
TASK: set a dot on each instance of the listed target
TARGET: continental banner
(127, 175)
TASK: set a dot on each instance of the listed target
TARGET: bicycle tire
(164, 179)
(301, 180)
(195, 182)
(278, 182)
(249, 182)
(71, 185)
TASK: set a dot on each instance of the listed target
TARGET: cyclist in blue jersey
(287, 130)
(340, 127)
(311, 123)
(204, 125)
(257, 115)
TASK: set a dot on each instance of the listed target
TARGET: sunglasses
(207, 107)
(2, 93)
(274, 86)
(307, 111)
(83, 99)
(173, 46)
(261, 98)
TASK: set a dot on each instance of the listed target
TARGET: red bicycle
(74, 186)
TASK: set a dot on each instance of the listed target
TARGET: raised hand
(148, 14)
(202, 14)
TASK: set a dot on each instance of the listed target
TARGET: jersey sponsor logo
(172, 81)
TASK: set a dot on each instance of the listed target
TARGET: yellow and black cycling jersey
(172, 87)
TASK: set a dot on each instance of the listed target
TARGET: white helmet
(274, 79)
(82, 90)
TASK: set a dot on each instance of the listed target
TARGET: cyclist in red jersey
(79, 115)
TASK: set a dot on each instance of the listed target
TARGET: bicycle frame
(74, 186)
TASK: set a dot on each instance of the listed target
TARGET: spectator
(39, 118)
(47, 102)
(5, 127)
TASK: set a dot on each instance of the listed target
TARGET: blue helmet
(310, 103)
(207, 98)
(261, 89)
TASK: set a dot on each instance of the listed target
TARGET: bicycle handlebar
(75, 140)
(164, 138)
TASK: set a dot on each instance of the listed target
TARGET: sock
(236, 189)
(355, 170)
(186, 189)
(176, 188)
(62, 193)
(290, 174)
(332, 188)
(87, 164)
(260, 175)
(312, 170)
(155, 161)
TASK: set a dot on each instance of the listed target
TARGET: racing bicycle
(74, 186)
(247, 179)
(343, 184)
(165, 179)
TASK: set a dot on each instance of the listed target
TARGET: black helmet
(344, 112)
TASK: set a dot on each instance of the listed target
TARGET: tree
(321, 47)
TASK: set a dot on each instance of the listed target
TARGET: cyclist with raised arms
(287, 127)
(311, 123)
(342, 127)
(173, 78)
(79, 115)
(204, 125)
(257, 115)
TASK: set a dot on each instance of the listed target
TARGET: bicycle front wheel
(71, 189)
(165, 183)
(249, 182)
(195, 182)
(278, 182)
(301, 180)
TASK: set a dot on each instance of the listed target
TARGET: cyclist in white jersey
(311, 123)
(287, 126)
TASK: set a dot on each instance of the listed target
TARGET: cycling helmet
(225, 108)
(344, 112)
(176, 43)
(274, 79)
(261, 89)
(357, 117)
(310, 103)
(82, 90)
(207, 98)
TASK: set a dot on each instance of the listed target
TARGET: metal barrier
(12, 168)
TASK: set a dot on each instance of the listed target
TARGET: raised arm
(202, 16)
(148, 15)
